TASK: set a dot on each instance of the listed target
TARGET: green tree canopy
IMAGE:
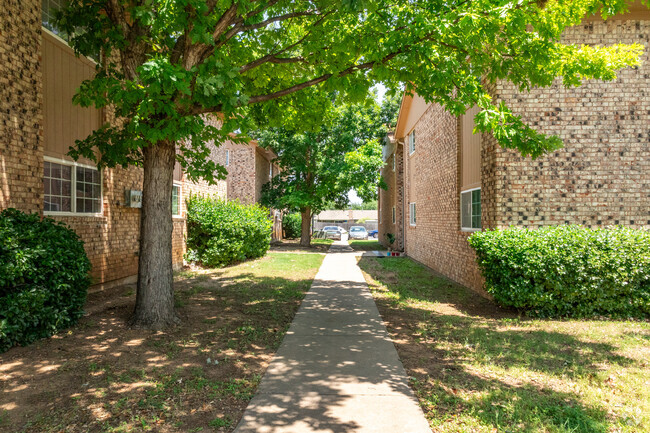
(321, 165)
(167, 63)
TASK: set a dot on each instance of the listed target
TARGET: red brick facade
(601, 177)
(111, 239)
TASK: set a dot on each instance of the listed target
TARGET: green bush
(43, 278)
(292, 225)
(223, 232)
(567, 270)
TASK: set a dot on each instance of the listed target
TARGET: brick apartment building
(39, 73)
(444, 182)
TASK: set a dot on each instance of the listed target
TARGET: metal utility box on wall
(133, 198)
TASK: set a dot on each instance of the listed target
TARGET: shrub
(43, 277)
(292, 225)
(567, 270)
(223, 232)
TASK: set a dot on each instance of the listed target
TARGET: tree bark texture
(154, 306)
(305, 231)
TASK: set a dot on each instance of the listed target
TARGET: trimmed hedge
(292, 225)
(567, 271)
(43, 278)
(223, 232)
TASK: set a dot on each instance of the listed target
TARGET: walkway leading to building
(337, 369)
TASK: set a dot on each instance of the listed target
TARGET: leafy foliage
(43, 277)
(320, 167)
(567, 270)
(169, 62)
(220, 232)
(291, 225)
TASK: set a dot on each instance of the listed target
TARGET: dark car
(373, 234)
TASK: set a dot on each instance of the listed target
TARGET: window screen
(470, 205)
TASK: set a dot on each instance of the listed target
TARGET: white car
(335, 228)
(358, 232)
(332, 234)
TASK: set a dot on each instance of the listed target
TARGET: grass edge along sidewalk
(101, 376)
(478, 368)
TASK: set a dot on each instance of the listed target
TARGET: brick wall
(602, 175)
(21, 113)
(392, 197)
(432, 182)
(112, 239)
(262, 166)
(241, 171)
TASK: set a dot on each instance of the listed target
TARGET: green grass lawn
(478, 368)
(101, 376)
(318, 241)
(368, 245)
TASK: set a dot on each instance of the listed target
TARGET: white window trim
(394, 155)
(411, 152)
(180, 200)
(393, 215)
(468, 229)
(73, 181)
(227, 157)
(411, 222)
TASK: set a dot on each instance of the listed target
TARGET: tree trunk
(154, 305)
(305, 232)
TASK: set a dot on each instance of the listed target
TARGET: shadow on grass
(366, 245)
(456, 346)
(102, 376)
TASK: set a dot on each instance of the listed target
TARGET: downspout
(403, 198)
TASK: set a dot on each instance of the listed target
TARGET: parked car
(337, 228)
(373, 233)
(358, 232)
(332, 233)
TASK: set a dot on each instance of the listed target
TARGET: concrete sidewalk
(337, 369)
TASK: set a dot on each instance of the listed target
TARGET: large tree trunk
(154, 305)
(305, 232)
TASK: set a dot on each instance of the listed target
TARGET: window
(227, 158)
(470, 209)
(270, 171)
(176, 200)
(411, 139)
(393, 214)
(49, 10)
(394, 161)
(71, 188)
(412, 213)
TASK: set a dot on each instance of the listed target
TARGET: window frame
(470, 229)
(394, 155)
(393, 214)
(412, 214)
(73, 193)
(180, 201)
(227, 157)
(411, 140)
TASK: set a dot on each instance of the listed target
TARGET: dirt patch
(102, 376)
